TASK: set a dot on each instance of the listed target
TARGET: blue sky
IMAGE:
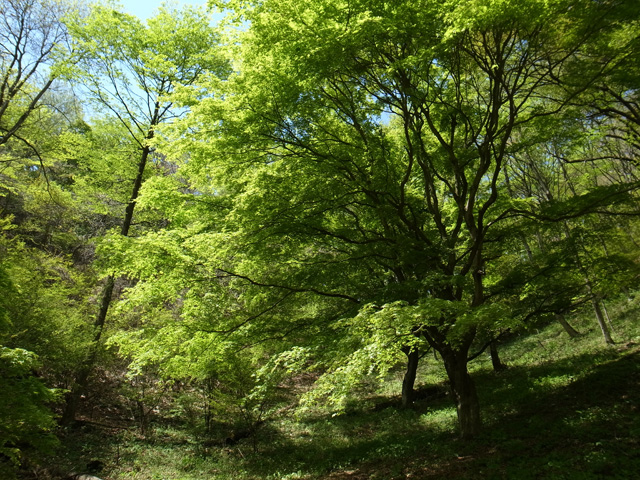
(146, 8)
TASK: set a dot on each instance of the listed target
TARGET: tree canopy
(334, 187)
(366, 195)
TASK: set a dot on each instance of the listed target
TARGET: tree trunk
(464, 393)
(82, 377)
(498, 366)
(606, 314)
(601, 322)
(595, 301)
(572, 332)
(143, 417)
(72, 398)
(408, 393)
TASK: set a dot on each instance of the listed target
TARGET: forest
(333, 239)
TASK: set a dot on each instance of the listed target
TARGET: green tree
(42, 337)
(127, 69)
(363, 147)
(600, 257)
(32, 40)
(344, 199)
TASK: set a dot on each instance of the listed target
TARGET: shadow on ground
(573, 419)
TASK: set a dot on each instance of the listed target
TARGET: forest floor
(563, 409)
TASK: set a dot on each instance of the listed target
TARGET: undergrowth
(563, 409)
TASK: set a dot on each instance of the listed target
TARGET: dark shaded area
(535, 426)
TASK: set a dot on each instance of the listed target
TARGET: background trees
(43, 337)
(33, 37)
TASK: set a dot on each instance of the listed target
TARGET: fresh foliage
(376, 178)
(316, 212)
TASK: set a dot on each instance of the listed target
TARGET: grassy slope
(563, 409)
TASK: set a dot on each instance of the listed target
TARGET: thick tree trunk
(408, 393)
(464, 393)
(498, 366)
(572, 332)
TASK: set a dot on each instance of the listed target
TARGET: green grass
(565, 408)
